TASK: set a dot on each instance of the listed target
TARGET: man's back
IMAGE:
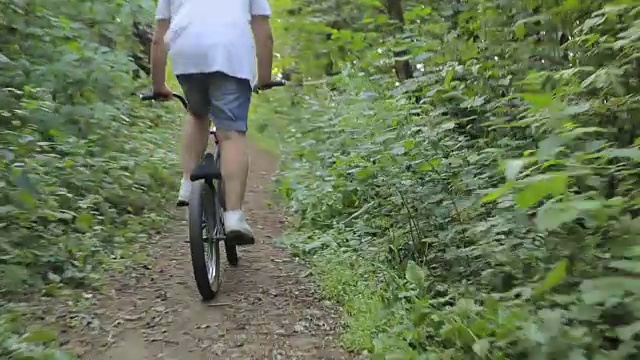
(211, 35)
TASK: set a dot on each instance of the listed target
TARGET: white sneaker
(185, 193)
(237, 230)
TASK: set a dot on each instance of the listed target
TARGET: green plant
(18, 343)
(84, 166)
(494, 188)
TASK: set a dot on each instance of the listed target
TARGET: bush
(84, 167)
(492, 194)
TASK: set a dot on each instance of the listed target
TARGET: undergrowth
(484, 203)
(350, 279)
(85, 169)
(267, 126)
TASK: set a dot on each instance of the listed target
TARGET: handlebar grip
(272, 84)
(149, 97)
(276, 83)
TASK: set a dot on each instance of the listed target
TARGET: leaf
(429, 165)
(533, 332)
(627, 332)
(495, 194)
(538, 101)
(39, 336)
(576, 109)
(53, 277)
(577, 354)
(554, 277)
(582, 131)
(626, 265)
(481, 347)
(598, 290)
(512, 168)
(447, 126)
(592, 22)
(552, 216)
(395, 355)
(4, 59)
(520, 30)
(550, 146)
(448, 78)
(414, 274)
(540, 187)
(7, 209)
(398, 150)
(60, 355)
(586, 205)
(83, 222)
(631, 153)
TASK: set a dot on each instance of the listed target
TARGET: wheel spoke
(210, 245)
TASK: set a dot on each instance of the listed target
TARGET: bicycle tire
(230, 249)
(232, 253)
(202, 205)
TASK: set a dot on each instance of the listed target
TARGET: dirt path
(267, 309)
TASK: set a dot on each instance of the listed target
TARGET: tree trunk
(402, 66)
(142, 58)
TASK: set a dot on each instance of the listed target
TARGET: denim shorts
(225, 98)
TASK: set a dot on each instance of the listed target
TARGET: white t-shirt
(212, 35)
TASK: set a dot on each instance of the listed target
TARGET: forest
(460, 176)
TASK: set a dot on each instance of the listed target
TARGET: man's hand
(159, 61)
(163, 93)
(263, 81)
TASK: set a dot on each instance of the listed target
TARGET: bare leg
(232, 97)
(195, 137)
(234, 165)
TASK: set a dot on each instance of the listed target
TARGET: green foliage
(84, 167)
(348, 278)
(18, 343)
(493, 196)
(267, 128)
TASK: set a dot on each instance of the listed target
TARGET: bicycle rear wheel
(230, 249)
(205, 232)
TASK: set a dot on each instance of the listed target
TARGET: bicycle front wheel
(205, 232)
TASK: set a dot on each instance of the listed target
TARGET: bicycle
(206, 207)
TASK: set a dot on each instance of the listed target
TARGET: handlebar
(183, 101)
(271, 85)
(150, 97)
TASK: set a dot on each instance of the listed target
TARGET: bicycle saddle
(206, 169)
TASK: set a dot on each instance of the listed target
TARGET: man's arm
(159, 55)
(159, 49)
(261, 27)
(264, 47)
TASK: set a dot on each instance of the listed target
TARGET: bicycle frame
(213, 132)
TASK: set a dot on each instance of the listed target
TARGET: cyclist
(213, 46)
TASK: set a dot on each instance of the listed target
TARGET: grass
(268, 119)
(349, 280)
(340, 280)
